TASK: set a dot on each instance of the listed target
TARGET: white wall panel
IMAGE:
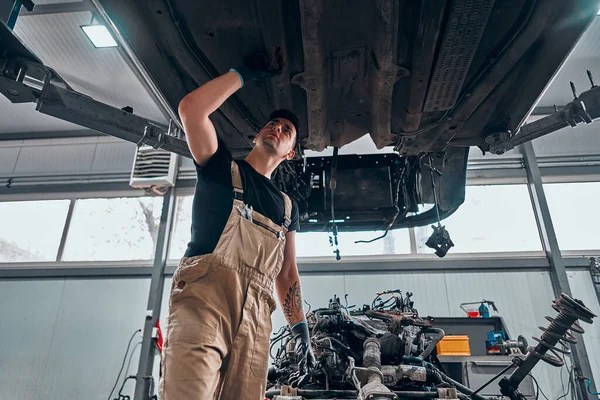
(73, 156)
(28, 310)
(114, 157)
(8, 160)
(67, 339)
(429, 289)
(523, 300)
(583, 289)
(48, 160)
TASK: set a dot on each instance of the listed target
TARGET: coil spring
(569, 311)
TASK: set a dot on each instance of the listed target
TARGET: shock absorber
(569, 311)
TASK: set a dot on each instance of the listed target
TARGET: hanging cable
(589, 386)
(332, 186)
(539, 390)
(400, 183)
(123, 363)
(440, 238)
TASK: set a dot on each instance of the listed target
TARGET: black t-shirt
(213, 200)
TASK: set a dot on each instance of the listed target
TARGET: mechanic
(241, 250)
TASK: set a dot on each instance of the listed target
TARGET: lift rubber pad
(467, 21)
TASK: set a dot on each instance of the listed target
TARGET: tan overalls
(220, 306)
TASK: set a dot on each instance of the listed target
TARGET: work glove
(257, 66)
(304, 355)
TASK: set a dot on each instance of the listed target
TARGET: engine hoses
(459, 386)
(433, 375)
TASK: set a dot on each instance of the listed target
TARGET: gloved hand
(304, 355)
(257, 66)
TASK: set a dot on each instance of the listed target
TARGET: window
(308, 244)
(113, 229)
(573, 209)
(31, 230)
(183, 223)
(496, 218)
(316, 244)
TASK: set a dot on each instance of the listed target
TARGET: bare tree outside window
(31, 230)
(114, 229)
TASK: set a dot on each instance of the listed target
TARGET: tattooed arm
(288, 284)
(290, 297)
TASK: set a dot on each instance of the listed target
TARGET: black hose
(434, 342)
(347, 350)
(459, 386)
(434, 376)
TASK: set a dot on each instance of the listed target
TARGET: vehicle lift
(25, 79)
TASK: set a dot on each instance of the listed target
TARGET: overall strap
(236, 180)
(288, 211)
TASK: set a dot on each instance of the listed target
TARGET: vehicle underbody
(425, 81)
(387, 351)
(429, 79)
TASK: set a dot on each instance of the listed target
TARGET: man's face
(279, 137)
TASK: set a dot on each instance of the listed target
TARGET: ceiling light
(99, 35)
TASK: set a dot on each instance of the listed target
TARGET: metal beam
(354, 264)
(558, 272)
(144, 379)
(82, 110)
(57, 8)
(74, 272)
(65, 232)
(12, 136)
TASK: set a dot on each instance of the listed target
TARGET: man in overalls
(241, 251)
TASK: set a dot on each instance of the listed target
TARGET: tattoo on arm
(292, 305)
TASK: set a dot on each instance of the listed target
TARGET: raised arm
(195, 108)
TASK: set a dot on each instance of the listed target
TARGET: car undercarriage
(425, 81)
(429, 79)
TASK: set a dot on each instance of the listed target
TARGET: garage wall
(523, 300)
(74, 156)
(66, 338)
(581, 284)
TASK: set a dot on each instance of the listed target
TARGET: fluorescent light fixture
(99, 35)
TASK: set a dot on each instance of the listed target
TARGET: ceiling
(585, 56)
(104, 74)
(52, 32)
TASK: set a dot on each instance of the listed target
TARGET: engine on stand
(383, 351)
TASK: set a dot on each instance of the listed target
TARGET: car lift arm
(585, 108)
(25, 79)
